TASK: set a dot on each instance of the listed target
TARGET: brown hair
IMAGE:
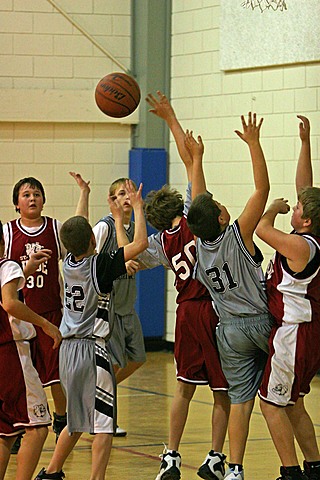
(162, 207)
(310, 200)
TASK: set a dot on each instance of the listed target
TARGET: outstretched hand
(115, 208)
(251, 130)
(135, 196)
(160, 106)
(82, 183)
(304, 128)
(195, 147)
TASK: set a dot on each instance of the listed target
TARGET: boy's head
(76, 235)
(118, 191)
(28, 182)
(206, 217)
(162, 207)
(309, 197)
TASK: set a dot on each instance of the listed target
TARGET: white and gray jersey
(232, 275)
(87, 284)
(124, 287)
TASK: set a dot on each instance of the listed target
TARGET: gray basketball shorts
(243, 348)
(88, 382)
(126, 342)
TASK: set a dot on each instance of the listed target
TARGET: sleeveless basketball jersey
(232, 275)
(86, 287)
(11, 328)
(124, 287)
(180, 250)
(42, 289)
(294, 297)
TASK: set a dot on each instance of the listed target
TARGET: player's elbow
(9, 305)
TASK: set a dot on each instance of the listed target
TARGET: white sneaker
(234, 474)
(170, 466)
(213, 468)
(120, 432)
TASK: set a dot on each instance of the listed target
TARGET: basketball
(117, 95)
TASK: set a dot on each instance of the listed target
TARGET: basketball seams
(121, 114)
(117, 95)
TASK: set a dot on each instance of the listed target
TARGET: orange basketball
(117, 95)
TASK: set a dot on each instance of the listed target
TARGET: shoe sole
(122, 434)
(207, 475)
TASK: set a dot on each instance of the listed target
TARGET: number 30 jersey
(42, 291)
(232, 275)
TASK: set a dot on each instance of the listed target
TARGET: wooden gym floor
(143, 410)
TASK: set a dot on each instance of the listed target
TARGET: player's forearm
(83, 204)
(140, 238)
(259, 167)
(179, 135)
(304, 176)
(20, 311)
(122, 238)
(198, 178)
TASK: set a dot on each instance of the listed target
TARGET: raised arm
(83, 202)
(140, 239)
(117, 213)
(294, 247)
(17, 309)
(162, 108)
(255, 206)
(196, 150)
(304, 166)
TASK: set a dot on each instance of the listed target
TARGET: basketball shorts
(195, 350)
(243, 348)
(126, 342)
(45, 358)
(294, 360)
(23, 402)
(89, 385)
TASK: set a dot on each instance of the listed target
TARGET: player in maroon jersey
(23, 403)
(293, 287)
(195, 352)
(29, 233)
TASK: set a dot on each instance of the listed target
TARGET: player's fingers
(243, 121)
(260, 123)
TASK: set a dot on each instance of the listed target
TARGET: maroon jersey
(42, 289)
(179, 247)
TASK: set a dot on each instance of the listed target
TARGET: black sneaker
(59, 422)
(16, 446)
(289, 475)
(312, 472)
(170, 466)
(43, 475)
(213, 468)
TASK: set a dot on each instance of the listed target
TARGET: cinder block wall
(49, 123)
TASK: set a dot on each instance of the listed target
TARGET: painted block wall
(210, 102)
(49, 123)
